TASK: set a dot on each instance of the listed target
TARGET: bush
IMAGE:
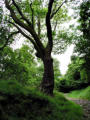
(69, 85)
(76, 76)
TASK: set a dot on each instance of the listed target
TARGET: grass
(80, 94)
(22, 103)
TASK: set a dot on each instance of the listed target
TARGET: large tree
(82, 37)
(28, 17)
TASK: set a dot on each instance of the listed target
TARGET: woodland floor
(85, 104)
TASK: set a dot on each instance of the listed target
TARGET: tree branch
(20, 12)
(32, 15)
(14, 17)
(26, 36)
(39, 25)
(23, 25)
(55, 26)
(39, 53)
(7, 39)
(52, 15)
(48, 25)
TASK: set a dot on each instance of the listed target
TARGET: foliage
(25, 103)
(76, 76)
(37, 21)
(15, 65)
(38, 24)
(83, 40)
(76, 69)
(10, 87)
(5, 31)
(80, 32)
(36, 11)
(85, 18)
(82, 94)
(57, 73)
(39, 74)
(36, 72)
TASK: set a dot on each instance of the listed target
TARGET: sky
(65, 59)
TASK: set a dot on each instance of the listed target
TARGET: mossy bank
(80, 94)
(22, 103)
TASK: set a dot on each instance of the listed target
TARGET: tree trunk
(47, 84)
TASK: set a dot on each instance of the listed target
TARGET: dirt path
(85, 104)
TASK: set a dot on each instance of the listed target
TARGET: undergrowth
(22, 103)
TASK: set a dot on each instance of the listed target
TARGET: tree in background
(17, 65)
(57, 73)
(76, 76)
(83, 40)
(80, 34)
(75, 71)
(32, 18)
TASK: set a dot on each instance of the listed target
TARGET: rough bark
(47, 84)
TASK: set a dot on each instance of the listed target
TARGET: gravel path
(85, 104)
